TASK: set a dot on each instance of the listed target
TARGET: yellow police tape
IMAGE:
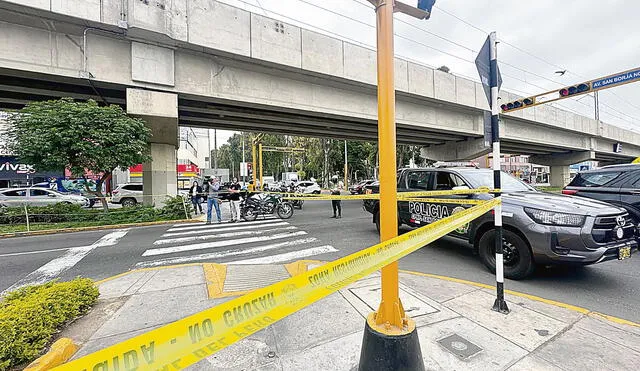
(447, 192)
(191, 339)
(443, 200)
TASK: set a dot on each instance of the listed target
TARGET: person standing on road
(194, 193)
(212, 199)
(234, 200)
(336, 204)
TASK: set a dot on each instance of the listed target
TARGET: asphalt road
(612, 288)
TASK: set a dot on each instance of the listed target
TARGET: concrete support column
(559, 176)
(159, 177)
(160, 113)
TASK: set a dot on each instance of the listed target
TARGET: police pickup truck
(539, 228)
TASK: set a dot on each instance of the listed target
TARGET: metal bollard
(26, 214)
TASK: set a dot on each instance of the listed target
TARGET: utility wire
(475, 51)
(427, 46)
(532, 55)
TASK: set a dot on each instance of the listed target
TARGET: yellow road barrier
(191, 339)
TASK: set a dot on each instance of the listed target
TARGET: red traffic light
(518, 104)
(576, 89)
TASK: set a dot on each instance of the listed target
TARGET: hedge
(63, 213)
(30, 316)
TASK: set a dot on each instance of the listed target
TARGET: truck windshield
(484, 178)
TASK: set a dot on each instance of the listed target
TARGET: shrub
(31, 315)
(65, 213)
(174, 208)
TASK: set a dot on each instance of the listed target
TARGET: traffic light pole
(499, 305)
(253, 167)
(390, 340)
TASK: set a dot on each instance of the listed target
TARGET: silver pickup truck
(539, 228)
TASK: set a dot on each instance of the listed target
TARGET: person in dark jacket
(195, 192)
(234, 200)
(336, 204)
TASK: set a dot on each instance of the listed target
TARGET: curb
(60, 352)
(215, 275)
(94, 228)
(585, 311)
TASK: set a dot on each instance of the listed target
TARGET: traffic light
(576, 89)
(426, 5)
(518, 104)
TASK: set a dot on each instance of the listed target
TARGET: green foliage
(31, 315)
(174, 208)
(64, 214)
(80, 136)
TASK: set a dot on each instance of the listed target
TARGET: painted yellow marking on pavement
(59, 353)
(191, 339)
(300, 266)
(617, 320)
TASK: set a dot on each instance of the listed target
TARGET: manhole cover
(459, 346)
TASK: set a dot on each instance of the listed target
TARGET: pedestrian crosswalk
(264, 241)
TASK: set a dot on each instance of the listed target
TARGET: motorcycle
(294, 191)
(265, 204)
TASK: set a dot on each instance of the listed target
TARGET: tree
(79, 136)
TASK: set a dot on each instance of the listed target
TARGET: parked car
(539, 228)
(308, 187)
(75, 186)
(127, 195)
(617, 184)
(359, 188)
(37, 196)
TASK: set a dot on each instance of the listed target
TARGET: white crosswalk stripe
(209, 245)
(293, 255)
(216, 230)
(226, 253)
(189, 226)
(169, 241)
(257, 242)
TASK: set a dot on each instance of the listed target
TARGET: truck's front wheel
(518, 261)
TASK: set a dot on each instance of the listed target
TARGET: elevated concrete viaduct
(232, 69)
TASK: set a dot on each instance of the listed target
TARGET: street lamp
(390, 337)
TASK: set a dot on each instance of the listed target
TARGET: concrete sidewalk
(457, 328)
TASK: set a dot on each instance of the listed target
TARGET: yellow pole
(390, 314)
(253, 167)
(260, 159)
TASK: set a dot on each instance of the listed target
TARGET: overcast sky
(588, 38)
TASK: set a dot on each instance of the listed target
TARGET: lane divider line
(57, 266)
